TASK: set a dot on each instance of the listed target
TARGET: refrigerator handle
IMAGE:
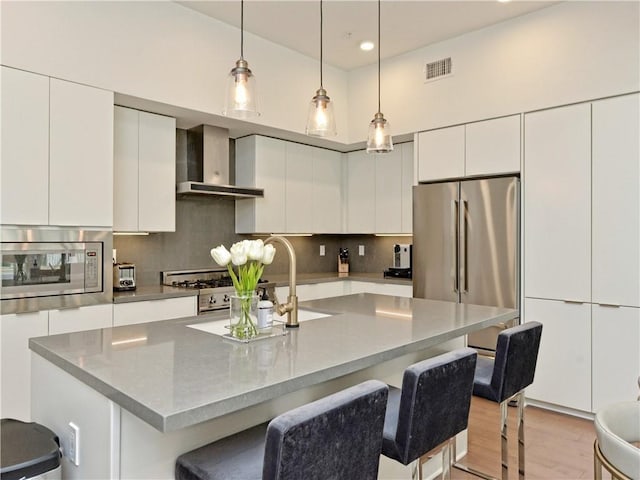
(455, 238)
(464, 271)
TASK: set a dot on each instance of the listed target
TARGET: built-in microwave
(52, 267)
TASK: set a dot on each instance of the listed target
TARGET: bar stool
(503, 379)
(431, 409)
(617, 427)
(338, 437)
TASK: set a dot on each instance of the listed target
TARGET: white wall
(566, 53)
(163, 52)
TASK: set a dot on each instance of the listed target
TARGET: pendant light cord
(321, 19)
(378, 55)
(241, 29)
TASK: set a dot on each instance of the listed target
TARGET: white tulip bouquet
(250, 257)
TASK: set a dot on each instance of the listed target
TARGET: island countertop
(173, 376)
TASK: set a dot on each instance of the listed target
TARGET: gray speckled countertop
(158, 292)
(205, 376)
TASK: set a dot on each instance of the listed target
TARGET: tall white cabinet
(581, 237)
(144, 172)
(57, 152)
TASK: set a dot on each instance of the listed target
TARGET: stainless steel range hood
(208, 165)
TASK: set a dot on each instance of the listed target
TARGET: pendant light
(379, 138)
(241, 84)
(321, 120)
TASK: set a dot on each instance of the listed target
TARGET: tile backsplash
(203, 223)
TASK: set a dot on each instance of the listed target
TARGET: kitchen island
(143, 394)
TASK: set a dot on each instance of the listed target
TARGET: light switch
(361, 250)
(322, 251)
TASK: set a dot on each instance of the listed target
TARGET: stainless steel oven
(53, 267)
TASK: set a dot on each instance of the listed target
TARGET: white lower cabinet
(381, 288)
(78, 319)
(563, 371)
(154, 310)
(616, 354)
(15, 367)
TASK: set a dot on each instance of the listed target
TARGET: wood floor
(557, 446)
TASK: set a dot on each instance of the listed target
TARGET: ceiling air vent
(438, 69)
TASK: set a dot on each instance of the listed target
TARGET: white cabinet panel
(557, 195)
(616, 354)
(153, 310)
(298, 188)
(125, 169)
(327, 191)
(563, 371)
(361, 192)
(261, 162)
(616, 201)
(493, 146)
(80, 155)
(407, 187)
(80, 319)
(25, 148)
(388, 191)
(15, 365)
(157, 178)
(441, 153)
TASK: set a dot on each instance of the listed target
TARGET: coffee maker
(402, 261)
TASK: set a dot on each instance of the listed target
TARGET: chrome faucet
(291, 307)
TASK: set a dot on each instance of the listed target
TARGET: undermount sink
(219, 327)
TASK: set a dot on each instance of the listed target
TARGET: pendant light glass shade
(321, 121)
(241, 99)
(379, 138)
(241, 92)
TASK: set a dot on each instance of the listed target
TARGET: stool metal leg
(504, 441)
(521, 435)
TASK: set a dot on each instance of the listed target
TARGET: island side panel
(57, 398)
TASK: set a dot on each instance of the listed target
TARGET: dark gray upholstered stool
(431, 409)
(337, 437)
(503, 379)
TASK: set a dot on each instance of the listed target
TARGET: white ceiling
(405, 25)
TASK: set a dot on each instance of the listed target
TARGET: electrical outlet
(322, 250)
(361, 250)
(73, 444)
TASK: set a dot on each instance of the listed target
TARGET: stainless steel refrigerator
(466, 245)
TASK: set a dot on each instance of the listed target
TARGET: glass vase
(243, 310)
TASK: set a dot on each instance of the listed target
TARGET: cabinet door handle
(610, 305)
(579, 302)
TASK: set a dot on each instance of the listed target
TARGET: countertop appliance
(54, 267)
(402, 261)
(466, 246)
(124, 277)
(214, 286)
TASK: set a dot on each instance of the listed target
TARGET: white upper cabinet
(407, 187)
(80, 155)
(144, 172)
(25, 148)
(388, 192)
(361, 192)
(261, 162)
(441, 153)
(616, 201)
(557, 210)
(327, 191)
(298, 188)
(57, 152)
(493, 146)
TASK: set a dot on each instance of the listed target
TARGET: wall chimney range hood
(208, 165)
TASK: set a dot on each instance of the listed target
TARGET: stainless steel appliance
(52, 267)
(465, 245)
(124, 277)
(402, 255)
(214, 286)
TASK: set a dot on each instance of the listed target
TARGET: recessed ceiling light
(366, 45)
(504, 1)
